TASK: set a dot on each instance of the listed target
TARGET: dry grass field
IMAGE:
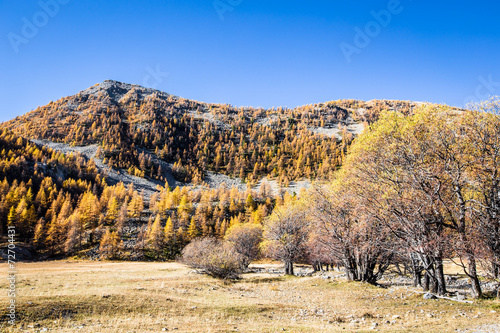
(82, 296)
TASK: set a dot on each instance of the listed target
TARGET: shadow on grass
(71, 308)
(262, 280)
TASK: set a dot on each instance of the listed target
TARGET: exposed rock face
(117, 91)
(22, 253)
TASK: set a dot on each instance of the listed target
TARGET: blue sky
(250, 52)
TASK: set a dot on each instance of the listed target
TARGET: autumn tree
(483, 143)
(193, 231)
(73, 239)
(113, 209)
(430, 184)
(156, 236)
(286, 233)
(345, 233)
(172, 243)
(110, 245)
(246, 239)
(121, 219)
(136, 205)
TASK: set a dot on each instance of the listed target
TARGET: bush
(246, 239)
(214, 258)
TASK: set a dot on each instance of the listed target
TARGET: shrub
(246, 239)
(214, 258)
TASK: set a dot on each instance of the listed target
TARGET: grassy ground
(150, 297)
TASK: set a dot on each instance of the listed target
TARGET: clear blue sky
(262, 53)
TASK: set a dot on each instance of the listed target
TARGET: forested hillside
(62, 205)
(129, 122)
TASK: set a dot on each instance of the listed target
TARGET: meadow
(89, 296)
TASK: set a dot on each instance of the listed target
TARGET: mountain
(142, 133)
(116, 170)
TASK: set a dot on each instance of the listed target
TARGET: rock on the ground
(429, 296)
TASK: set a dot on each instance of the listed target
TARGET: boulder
(429, 296)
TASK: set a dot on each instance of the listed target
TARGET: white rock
(429, 296)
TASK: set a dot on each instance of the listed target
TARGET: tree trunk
(289, 268)
(430, 272)
(441, 282)
(417, 278)
(368, 273)
(317, 267)
(434, 285)
(416, 270)
(474, 280)
(496, 270)
(426, 282)
(351, 273)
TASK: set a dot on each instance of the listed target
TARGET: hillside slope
(152, 134)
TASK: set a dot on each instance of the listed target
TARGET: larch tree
(136, 205)
(110, 245)
(193, 231)
(73, 238)
(121, 219)
(156, 236)
(112, 210)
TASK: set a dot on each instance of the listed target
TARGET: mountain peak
(116, 90)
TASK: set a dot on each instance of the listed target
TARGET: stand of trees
(416, 190)
(40, 188)
(182, 215)
(62, 206)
